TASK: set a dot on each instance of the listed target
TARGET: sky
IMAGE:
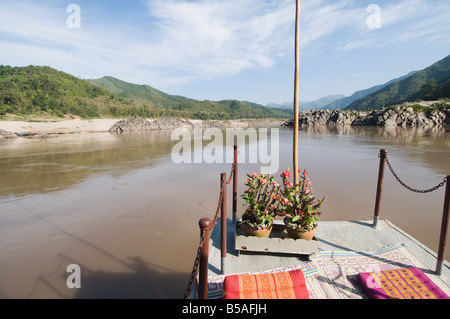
(229, 49)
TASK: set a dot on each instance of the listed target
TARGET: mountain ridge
(346, 101)
(304, 105)
(433, 82)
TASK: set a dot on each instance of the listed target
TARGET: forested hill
(45, 91)
(226, 109)
(432, 83)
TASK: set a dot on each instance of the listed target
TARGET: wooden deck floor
(357, 236)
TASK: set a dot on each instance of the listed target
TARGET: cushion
(215, 282)
(281, 285)
(404, 283)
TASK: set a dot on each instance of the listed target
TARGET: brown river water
(121, 208)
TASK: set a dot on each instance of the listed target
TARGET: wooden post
(444, 228)
(223, 210)
(235, 179)
(205, 227)
(296, 86)
(376, 215)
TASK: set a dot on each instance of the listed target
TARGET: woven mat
(337, 271)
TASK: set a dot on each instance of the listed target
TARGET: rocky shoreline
(138, 124)
(430, 113)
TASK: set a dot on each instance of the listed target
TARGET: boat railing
(206, 225)
(445, 215)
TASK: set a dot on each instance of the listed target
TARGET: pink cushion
(404, 283)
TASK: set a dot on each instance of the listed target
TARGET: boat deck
(331, 236)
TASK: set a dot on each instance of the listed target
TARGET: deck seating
(280, 285)
(403, 283)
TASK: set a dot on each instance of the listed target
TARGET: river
(126, 212)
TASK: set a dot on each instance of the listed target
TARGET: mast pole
(296, 89)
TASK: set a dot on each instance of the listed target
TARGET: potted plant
(260, 199)
(299, 207)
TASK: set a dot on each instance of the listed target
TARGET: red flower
(305, 173)
(287, 174)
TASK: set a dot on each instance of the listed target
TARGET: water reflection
(40, 166)
(388, 132)
(427, 145)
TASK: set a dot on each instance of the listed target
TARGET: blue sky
(229, 49)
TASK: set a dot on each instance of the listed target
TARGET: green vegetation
(44, 91)
(433, 90)
(443, 104)
(163, 104)
(432, 83)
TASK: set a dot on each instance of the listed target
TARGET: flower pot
(253, 231)
(296, 233)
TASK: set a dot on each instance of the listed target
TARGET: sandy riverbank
(60, 127)
(21, 128)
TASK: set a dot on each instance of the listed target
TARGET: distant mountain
(346, 101)
(432, 82)
(303, 105)
(227, 109)
(44, 91)
(141, 94)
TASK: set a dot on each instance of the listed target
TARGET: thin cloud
(207, 39)
(216, 38)
(406, 23)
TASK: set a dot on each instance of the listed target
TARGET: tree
(429, 89)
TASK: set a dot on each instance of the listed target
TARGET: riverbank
(13, 129)
(429, 114)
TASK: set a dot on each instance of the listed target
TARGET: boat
(333, 264)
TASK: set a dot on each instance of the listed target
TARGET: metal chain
(219, 204)
(232, 172)
(410, 188)
(195, 268)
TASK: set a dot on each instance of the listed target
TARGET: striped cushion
(404, 283)
(281, 285)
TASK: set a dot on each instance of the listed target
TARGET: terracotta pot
(298, 234)
(252, 231)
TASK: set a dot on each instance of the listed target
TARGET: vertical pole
(223, 182)
(376, 216)
(235, 177)
(296, 86)
(444, 228)
(205, 225)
